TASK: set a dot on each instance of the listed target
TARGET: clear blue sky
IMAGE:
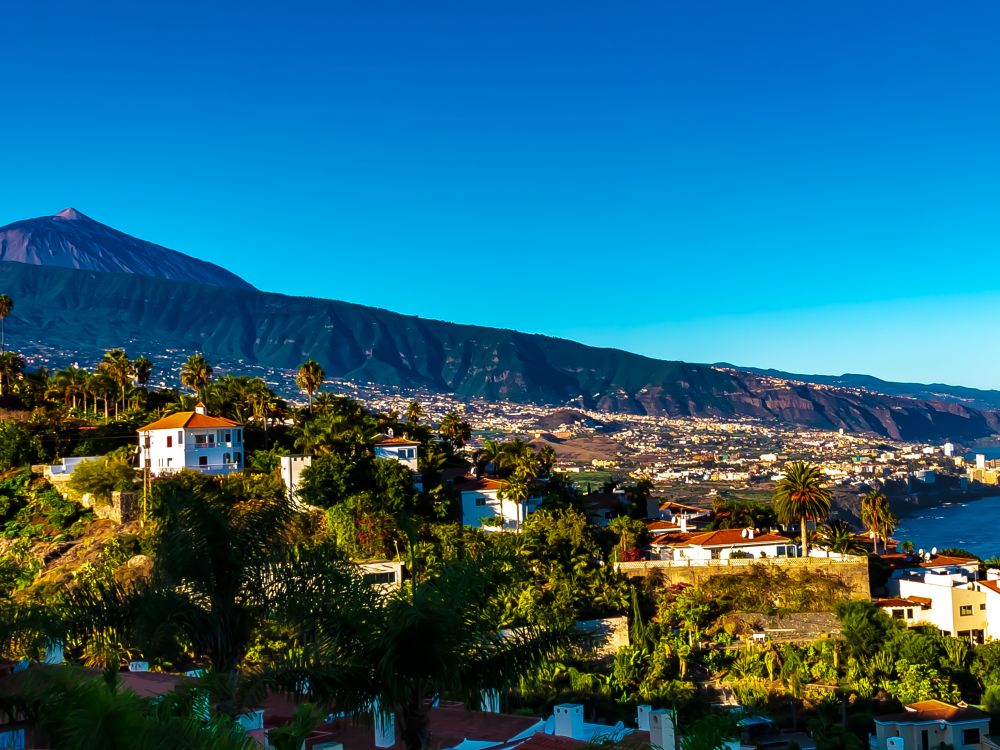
(805, 185)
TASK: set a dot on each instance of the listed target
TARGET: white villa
(722, 545)
(482, 506)
(191, 440)
(402, 450)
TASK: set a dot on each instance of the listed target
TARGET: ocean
(972, 525)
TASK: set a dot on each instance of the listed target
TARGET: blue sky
(811, 186)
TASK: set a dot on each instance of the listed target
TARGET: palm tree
(837, 536)
(142, 370)
(6, 305)
(11, 365)
(196, 372)
(435, 637)
(492, 452)
(454, 430)
(414, 411)
(310, 379)
(102, 386)
(117, 366)
(878, 517)
(802, 494)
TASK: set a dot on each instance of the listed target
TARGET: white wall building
(726, 543)
(398, 449)
(291, 468)
(957, 607)
(191, 440)
(482, 506)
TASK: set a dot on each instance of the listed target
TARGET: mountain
(74, 314)
(975, 397)
(71, 240)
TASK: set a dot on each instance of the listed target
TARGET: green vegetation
(802, 494)
(227, 576)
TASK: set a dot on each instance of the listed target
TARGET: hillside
(71, 314)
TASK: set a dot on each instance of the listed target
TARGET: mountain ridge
(71, 310)
(71, 314)
(71, 239)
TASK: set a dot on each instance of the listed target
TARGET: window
(227, 458)
(180, 437)
(170, 441)
(970, 736)
(965, 610)
(897, 614)
(982, 607)
(203, 460)
(238, 459)
(480, 502)
(909, 614)
(229, 437)
(380, 578)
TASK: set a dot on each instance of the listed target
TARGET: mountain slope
(71, 240)
(976, 398)
(75, 315)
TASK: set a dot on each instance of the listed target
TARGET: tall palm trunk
(414, 727)
(805, 542)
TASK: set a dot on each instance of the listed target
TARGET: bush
(102, 477)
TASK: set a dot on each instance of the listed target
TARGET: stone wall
(124, 507)
(604, 637)
(853, 571)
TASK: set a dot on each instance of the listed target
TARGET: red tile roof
(397, 441)
(733, 537)
(480, 484)
(450, 724)
(932, 710)
(897, 560)
(993, 586)
(188, 419)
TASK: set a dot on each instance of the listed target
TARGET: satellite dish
(920, 551)
(743, 533)
(933, 550)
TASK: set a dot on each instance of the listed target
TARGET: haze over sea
(969, 525)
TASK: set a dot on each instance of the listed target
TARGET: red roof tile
(732, 537)
(188, 420)
(397, 441)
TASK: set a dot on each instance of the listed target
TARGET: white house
(724, 544)
(954, 604)
(402, 450)
(931, 723)
(191, 440)
(482, 506)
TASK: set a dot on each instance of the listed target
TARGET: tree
(11, 366)
(414, 411)
(436, 637)
(878, 517)
(837, 536)
(802, 494)
(6, 306)
(142, 370)
(102, 477)
(196, 372)
(454, 430)
(310, 378)
(116, 366)
(863, 626)
(630, 532)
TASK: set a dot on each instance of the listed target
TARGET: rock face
(71, 240)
